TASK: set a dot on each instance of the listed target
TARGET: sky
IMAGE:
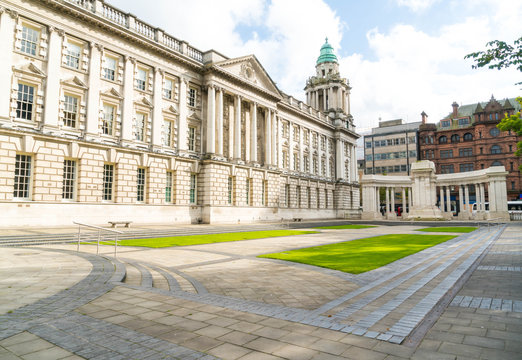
(401, 57)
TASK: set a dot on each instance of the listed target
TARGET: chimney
(424, 117)
(455, 109)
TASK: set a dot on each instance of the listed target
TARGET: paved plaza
(461, 299)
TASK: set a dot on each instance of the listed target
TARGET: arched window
(495, 149)
(455, 138)
(443, 140)
(496, 163)
(468, 136)
(494, 132)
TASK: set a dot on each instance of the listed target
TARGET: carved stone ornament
(248, 72)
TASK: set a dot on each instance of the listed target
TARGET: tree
(502, 55)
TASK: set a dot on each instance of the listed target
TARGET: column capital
(95, 45)
(52, 29)
(130, 58)
(159, 70)
(13, 14)
(184, 80)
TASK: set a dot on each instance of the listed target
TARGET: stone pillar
(378, 199)
(301, 162)
(392, 196)
(461, 202)
(274, 139)
(403, 202)
(477, 197)
(353, 161)
(183, 113)
(268, 138)
(253, 132)
(316, 99)
(219, 122)
(52, 82)
(441, 194)
(448, 199)
(7, 38)
(324, 100)
(424, 187)
(339, 163)
(237, 128)
(410, 199)
(157, 116)
(290, 146)
(387, 211)
(466, 198)
(211, 119)
(93, 97)
(482, 197)
(247, 133)
(128, 99)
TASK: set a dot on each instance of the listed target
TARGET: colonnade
(331, 97)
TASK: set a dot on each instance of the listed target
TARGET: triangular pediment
(249, 69)
(493, 105)
(30, 68)
(193, 116)
(171, 109)
(76, 82)
(144, 102)
(112, 92)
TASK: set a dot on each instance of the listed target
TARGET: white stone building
(105, 117)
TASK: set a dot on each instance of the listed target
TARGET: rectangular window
(192, 97)
(298, 196)
(140, 188)
(108, 119)
(306, 163)
(22, 178)
(465, 152)
(141, 79)
(466, 167)
(230, 197)
(169, 187)
(287, 195)
(296, 161)
(513, 185)
(192, 138)
(285, 159)
(108, 181)
(69, 179)
(193, 193)
(30, 38)
(413, 153)
(140, 126)
(444, 154)
(168, 89)
(317, 197)
(315, 166)
(72, 55)
(109, 69)
(308, 197)
(264, 193)
(248, 191)
(368, 144)
(326, 203)
(168, 140)
(445, 123)
(25, 102)
(463, 122)
(70, 111)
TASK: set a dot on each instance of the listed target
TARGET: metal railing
(99, 237)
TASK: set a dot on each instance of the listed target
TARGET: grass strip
(358, 256)
(352, 226)
(207, 238)
(454, 229)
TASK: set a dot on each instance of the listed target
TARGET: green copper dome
(327, 54)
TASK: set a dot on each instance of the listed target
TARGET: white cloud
(416, 5)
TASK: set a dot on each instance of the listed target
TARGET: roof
(327, 54)
(469, 109)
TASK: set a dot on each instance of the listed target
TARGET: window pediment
(112, 92)
(144, 102)
(75, 82)
(171, 109)
(30, 69)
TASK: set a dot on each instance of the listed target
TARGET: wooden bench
(114, 223)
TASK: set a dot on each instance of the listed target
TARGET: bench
(114, 223)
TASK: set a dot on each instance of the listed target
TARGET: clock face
(494, 132)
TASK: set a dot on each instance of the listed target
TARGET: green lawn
(358, 256)
(207, 239)
(346, 227)
(454, 229)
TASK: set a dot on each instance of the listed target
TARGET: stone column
(93, 97)
(301, 162)
(247, 133)
(324, 100)
(441, 194)
(316, 99)
(157, 116)
(219, 122)
(410, 199)
(52, 82)
(403, 202)
(461, 200)
(466, 198)
(7, 38)
(268, 138)
(477, 197)
(482, 197)
(448, 199)
(237, 128)
(340, 97)
(274, 139)
(355, 177)
(253, 131)
(339, 163)
(183, 112)
(387, 201)
(378, 199)
(392, 196)
(128, 99)
(211, 119)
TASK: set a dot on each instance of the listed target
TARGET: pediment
(76, 82)
(144, 102)
(249, 69)
(193, 116)
(30, 68)
(112, 92)
(171, 109)
(493, 105)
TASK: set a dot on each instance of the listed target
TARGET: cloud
(416, 5)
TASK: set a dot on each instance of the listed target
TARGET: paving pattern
(220, 301)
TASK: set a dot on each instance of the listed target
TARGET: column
(182, 122)
(403, 202)
(339, 97)
(268, 138)
(128, 92)
(477, 196)
(448, 199)
(93, 97)
(237, 127)
(211, 119)
(7, 37)
(466, 198)
(52, 87)
(410, 199)
(392, 196)
(157, 116)
(378, 199)
(247, 133)
(339, 163)
(316, 99)
(387, 211)
(253, 131)
(310, 152)
(492, 196)
(441, 195)
(355, 177)
(482, 198)
(461, 200)
(219, 122)
(290, 145)
(324, 99)
(301, 162)
(274, 139)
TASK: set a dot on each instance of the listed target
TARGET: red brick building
(468, 139)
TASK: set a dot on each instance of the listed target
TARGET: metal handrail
(100, 229)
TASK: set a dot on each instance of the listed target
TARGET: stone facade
(103, 117)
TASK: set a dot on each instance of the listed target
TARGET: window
(494, 132)
(510, 148)
(192, 138)
(287, 195)
(69, 179)
(109, 69)
(368, 144)
(468, 137)
(230, 190)
(496, 163)
(168, 89)
(22, 178)
(455, 138)
(315, 167)
(306, 136)
(443, 139)
(296, 161)
(169, 187)
(193, 190)
(513, 185)
(30, 38)
(463, 122)
(72, 55)
(284, 154)
(326, 202)
(466, 167)
(248, 189)
(264, 193)
(70, 111)
(317, 197)
(445, 123)
(465, 152)
(141, 79)
(298, 196)
(306, 163)
(495, 149)
(108, 181)
(413, 153)
(511, 166)
(140, 185)
(25, 102)
(140, 126)
(447, 169)
(296, 134)
(192, 97)
(108, 119)
(168, 127)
